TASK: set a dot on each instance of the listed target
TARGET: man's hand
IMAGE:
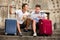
(24, 17)
(39, 17)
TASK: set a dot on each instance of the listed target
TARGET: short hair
(23, 5)
(38, 6)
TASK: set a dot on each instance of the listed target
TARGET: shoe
(20, 34)
(35, 34)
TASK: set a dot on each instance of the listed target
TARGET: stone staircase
(28, 36)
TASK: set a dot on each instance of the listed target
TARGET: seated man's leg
(34, 28)
(19, 30)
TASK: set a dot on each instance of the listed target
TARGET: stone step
(30, 33)
(28, 36)
(3, 37)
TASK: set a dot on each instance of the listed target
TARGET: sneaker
(20, 34)
(34, 34)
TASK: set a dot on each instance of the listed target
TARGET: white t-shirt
(20, 15)
(35, 16)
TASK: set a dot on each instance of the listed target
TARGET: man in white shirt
(36, 16)
(21, 17)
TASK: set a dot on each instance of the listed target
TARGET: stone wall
(51, 5)
(3, 15)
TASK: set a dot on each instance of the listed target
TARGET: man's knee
(34, 21)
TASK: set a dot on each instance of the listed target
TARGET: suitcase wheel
(5, 33)
(15, 34)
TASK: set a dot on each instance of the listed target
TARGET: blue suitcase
(10, 26)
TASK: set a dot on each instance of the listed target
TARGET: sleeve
(16, 11)
(19, 14)
(32, 15)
